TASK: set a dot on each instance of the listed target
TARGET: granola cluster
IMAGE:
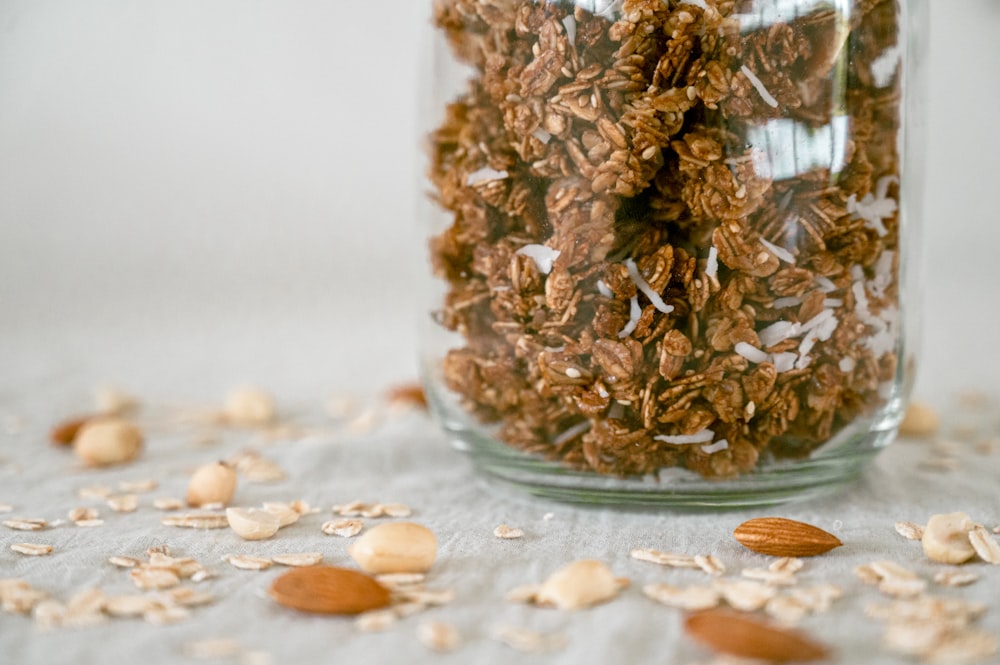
(674, 226)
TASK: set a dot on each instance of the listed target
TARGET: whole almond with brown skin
(64, 433)
(778, 536)
(745, 636)
(329, 590)
(408, 393)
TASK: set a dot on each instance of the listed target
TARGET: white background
(195, 194)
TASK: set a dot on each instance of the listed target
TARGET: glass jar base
(772, 483)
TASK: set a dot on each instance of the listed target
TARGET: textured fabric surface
(405, 459)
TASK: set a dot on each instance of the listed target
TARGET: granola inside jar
(668, 242)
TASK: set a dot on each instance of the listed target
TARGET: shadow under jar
(668, 243)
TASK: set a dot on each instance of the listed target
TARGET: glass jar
(667, 241)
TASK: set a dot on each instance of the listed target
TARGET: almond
(249, 407)
(407, 394)
(580, 584)
(920, 420)
(745, 636)
(252, 523)
(396, 547)
(777, 536)
(64, 433)
(329, 590)
(212, 483)
(107, 440)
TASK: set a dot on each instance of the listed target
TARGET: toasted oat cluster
(674, 226)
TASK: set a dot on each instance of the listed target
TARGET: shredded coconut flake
(807, 345)
(825, 284)
(634, 313)
(861, 302)
(643, 285)
(827, 328)
(756, 82)
(883, 274)
(780, 252)
(818, 320)
(485, 174)
(784, 362)
(542, 135)
(603, 289)
(884, 67)
(750, 352)
(571, 433)
(881, 343)
(874, 208)
(712, 265)
(789, 301)
(570, 24)
(721, 444)
(778, 332)
(882, 186)
(542, 255)
(786, 199)
(704, 436)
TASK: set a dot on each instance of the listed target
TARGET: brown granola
(674, 227)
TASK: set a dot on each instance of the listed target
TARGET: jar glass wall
(668, 242)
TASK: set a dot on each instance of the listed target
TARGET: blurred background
(199, 194)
